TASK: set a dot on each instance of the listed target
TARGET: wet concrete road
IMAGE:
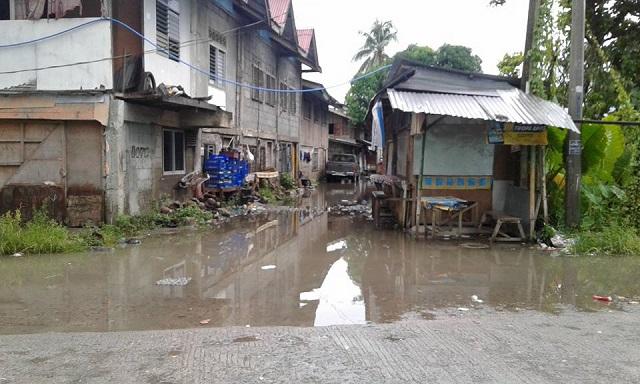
(306, 296)
(296, 268)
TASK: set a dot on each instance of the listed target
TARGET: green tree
(376, 41)
(414, 52)
(458, 57)
(360, 95)
(510, 64)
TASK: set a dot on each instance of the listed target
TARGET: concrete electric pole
(573, 143)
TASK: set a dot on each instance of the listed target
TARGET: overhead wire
(179, 60)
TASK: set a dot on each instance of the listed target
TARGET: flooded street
(299, 267)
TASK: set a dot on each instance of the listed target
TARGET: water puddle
(296, 268)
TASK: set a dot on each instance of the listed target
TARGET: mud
(297, 267)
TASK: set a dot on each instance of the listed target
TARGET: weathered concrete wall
(259, 118)
(89, 43)
(164, 70)
(314, 139)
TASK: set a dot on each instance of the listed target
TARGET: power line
(179, 60)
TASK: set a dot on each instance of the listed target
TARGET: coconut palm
(376, 40)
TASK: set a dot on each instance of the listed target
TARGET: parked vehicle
(343, 166)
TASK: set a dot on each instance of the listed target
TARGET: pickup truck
(343, 166)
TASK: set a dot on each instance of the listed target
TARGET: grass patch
(267, 194)
(287, 182)
(614, 240)
(39, 235)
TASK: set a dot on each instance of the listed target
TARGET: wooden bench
(503, 218)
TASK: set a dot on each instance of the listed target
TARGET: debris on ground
(18, 254)
(352, 208)
(475, 299)
(205, 322)
(605, 299)
(475, 246)
(268, 267)
(174, 282)
(463, 309)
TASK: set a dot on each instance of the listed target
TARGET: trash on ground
(463, 309)
(205, 322)
(18, 254)
(174, 281)
(268, 267)
(475, 299)
(606, 299)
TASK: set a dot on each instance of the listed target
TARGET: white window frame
(184, 153)
(220, 69)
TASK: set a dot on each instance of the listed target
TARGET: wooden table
(457, 211)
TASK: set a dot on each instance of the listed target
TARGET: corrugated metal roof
(279, 10)
(304, 39)
(512, 106)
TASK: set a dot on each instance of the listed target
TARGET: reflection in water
(339, 299)
(377, 276)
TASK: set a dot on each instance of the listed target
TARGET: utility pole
(534, 6)
(573, 143)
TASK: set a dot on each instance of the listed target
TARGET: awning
(513, 106)
(352, 143)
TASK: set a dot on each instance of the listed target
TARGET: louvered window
(258, 81)
(168, 28)
(270, 97)
(217, 66)
(293, 102)
(283, 97)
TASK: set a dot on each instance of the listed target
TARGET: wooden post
(543, 172)
(420, 178)
(532, 192)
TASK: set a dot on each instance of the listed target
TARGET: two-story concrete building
(106, 105)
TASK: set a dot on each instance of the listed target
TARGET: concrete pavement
(457, 347)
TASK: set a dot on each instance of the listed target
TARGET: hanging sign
(525, 134)
(575, 147)
(495, 134)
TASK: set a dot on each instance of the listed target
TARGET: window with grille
(284, 97)
(314, 161)
(168, 28)
(293, 102)
(217, 66)
(258, 81)
(173, 151)
(270, 96)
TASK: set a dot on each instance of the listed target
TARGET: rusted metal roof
(304, 39)
(512, 106)
(279, 10)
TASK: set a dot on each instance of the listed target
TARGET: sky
(489, 31)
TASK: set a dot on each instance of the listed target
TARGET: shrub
(287, 182)
(615, 240)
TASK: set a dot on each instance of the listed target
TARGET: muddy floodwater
(298, 267)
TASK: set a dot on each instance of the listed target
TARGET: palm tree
(376, 40)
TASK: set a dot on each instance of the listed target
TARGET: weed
(39, 235)
(614, 240)
(287, 182)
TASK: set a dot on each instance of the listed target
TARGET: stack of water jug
(225, 172)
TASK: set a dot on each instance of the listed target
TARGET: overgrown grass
(42, 234)
(39, 235)
(267, 194)
(614, 240)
